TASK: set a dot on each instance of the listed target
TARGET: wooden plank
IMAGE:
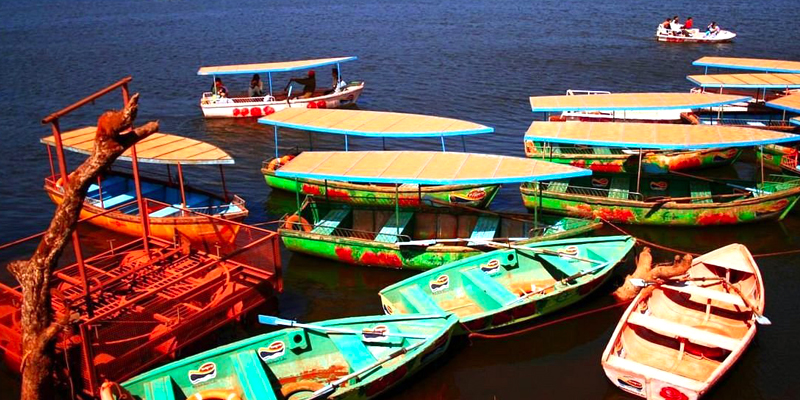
(391, 230)
(420, 301)
(700, 189)
(331, 221)
(558, 186)
(353, 350)
(254, 381)
(484, 282)
(620, 187)
(676, 330)
(485, 228)
(707, 293)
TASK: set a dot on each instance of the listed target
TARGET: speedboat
(694, 36)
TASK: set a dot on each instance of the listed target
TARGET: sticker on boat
(273, 351)
(376, 334)
(671, 393)
(659, 185)
(387, 309)
(492, 267)
(630, 384)
(206, 372)
(568, 251)
(439, 284)
(600, 182)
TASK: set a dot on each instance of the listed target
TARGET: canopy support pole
(384, 142)
(345, 144)
(464, 143)
(142, 204)
(326, 191)
(180, 182)
(338, 73)
(297, 193)
(269, 76)
(276, 141)
(53, 169)
(100, 191)
(397, 210)
(443, 149)
(310, 142)
(536, 207)
(224, 186)
(639, 173)
(762, 165)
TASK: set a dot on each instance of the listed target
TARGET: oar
(751, 190)
(567, 279)
(761, 319)
(537, 251)
(275, 321)
(431, 242)
(331, 387)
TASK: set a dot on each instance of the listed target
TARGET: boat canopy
(747, 81)
(795, 120)
(423, 168)
(789, 103)
(282, 66)
(751, 64)
(158, 148)
(653, 136)
(632, 101)
(371, 123)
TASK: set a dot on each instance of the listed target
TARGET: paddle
(761, 319)
(431, 242)
(275, 321)
(565, 280)
(537, 251)
(751, 190)
(331, 387)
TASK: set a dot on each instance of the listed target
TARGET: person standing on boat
(218, 88)
(309, 84)
(256, 87)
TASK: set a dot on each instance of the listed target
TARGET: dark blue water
(472, 60)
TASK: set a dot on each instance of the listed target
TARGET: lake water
(476, 60)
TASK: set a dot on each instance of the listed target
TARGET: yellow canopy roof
(752, 81)
(371, 123)
(158, 148)
(789, 103)
(282, 66)
(753, 64)
(423, 167)
(631, 101)
(653, 136)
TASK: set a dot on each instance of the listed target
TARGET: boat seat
(556, 149)
(352, 348)
(485, 228)
(390, 232)
(117, 200)
(654, 373)
(700, 189)
(558, 186)
(601, 150)
(486, 283)
(159, 388)
(331, 221)
(566, 266)
(619, 188)
(252, 378)
(164, 212)
(676, 330)
(707, 293)
(228, 209)
(420, 300)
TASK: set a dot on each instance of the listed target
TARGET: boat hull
(477, 196)
(779, 158)
(652, 163)
(253, 108)
(696, 37)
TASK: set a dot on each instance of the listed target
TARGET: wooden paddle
(536, 250)
(275, 321)
(751, 190)
(565, 280)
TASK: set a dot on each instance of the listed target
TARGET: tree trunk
(38, 328)
(645, 271)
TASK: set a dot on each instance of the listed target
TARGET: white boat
(244, 106)
(694, 36)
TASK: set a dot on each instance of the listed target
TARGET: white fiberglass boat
(693, 36)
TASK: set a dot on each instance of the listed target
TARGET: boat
(694, 36)
(511, 285)
(350, 358)
(375, 124)
(429, 237)
(111, 203)
(604, 106)
(778, 157)
(678, 341)
(243, 106)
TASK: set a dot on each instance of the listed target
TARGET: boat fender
(274, 164)
(216, 394)
(292, 388)
(113, 391)
(295, 220)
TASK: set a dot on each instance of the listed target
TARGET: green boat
(350, 358)
(426, 238)
(780, 158)
(374, 124)
(665, 199)
(508, 286)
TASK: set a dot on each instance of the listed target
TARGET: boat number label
(206, 372)
(272, 352)
(439, 284)
(492, 267)
(378, 333)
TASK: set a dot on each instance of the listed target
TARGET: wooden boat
(171, 206)
(665, 200)
(365, 355)
(511, 285)
(677, 342)
(694, 36)
(243, 106)
(376, 125)
(780, 158)
(427, 238)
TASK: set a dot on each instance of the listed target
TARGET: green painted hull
(779, 158)
(634, 208)
(477, 196)
(259, 368)
(616, 161)
(485, 291)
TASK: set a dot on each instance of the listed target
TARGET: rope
(542, 325)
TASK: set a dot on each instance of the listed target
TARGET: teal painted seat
(252, 378)
(620, 187)
(420, 300)
(558, 186)
(331, 221)
(390, 232)
(485, 229)
(486, 283)
(601, 150)
(160, 388)
(353, 350)
(701, 192)
(117, 200)
(567, 267)
(164, 212)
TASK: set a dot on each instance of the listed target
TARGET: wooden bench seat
(623, 364)
(331, 221)
(619, 188)
(484, 282)
(558, 186)
(391, 230)
(420, 301)
(701, 192)
(601, 150)
(707, 293)
(352, 348)
(676, 330)
(159, 388)
(252, 378)
(485, 229)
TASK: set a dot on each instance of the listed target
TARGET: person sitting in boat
(309, 84)
(688, 26)
(675, 26)
(712, 30)
(338, 84)
(256, 87)
(665, 25)
(218, 88)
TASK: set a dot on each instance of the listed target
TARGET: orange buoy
(295, 220)
(215, 394)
